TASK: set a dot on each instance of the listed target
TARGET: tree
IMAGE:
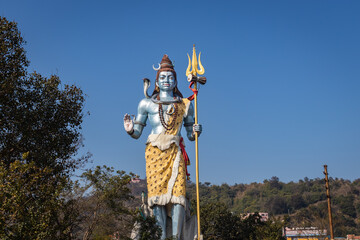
(275, 183)
(38, 116)
(31, 206)
(148, 228)
(296, 202)
(270, 230)
(217, 222)
(277, 205)
(346, 204)
(40, 123)
(103, 201)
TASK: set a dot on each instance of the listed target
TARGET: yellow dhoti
(165, 166)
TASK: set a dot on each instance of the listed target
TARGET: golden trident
(192, 77)
(194, 65)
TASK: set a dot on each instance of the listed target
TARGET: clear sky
(282, 97)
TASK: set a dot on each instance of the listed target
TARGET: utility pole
(329, 201)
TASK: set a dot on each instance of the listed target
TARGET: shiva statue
(166, 159)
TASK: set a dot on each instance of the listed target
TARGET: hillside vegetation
(301, 204)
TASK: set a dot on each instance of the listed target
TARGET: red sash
(186, 157)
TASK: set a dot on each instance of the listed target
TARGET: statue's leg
(160, 215)
(177, 216)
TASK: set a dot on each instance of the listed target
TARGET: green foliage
(305, 201)
(296, 201)
(13, 61)
(148, 228)
(38, 115)
(276, 205)
(275, 183)
(40, 122)
(223, 193)
(346, 204)
(103, 200)
(31, 203)
(270, 230)
(218, 223)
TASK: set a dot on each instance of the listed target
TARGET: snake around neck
(156, 100)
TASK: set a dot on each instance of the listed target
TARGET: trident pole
(192, 77)
(197, 164)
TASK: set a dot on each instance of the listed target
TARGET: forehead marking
(166, 73)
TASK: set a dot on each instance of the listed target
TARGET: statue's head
(166, 81)
(166, 77)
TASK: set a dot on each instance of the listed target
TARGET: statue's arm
(139, 122)
(189, 124)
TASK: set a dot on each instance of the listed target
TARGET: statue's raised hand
(128, 124)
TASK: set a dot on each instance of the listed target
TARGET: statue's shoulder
(145, 105)
(145, 101)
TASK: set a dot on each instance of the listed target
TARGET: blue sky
(282, 97)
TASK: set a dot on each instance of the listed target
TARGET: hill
(302, 203)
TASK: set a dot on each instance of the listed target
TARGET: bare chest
(160, 113)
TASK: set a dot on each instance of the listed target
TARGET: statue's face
(166, 81)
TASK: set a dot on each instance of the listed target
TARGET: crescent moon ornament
(156, 69)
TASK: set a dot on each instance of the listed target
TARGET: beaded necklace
(174, 113)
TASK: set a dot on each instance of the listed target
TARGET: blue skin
(148, 110)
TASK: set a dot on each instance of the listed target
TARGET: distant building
(352, 237)
(263, 216)
(309, 233)
(135, 180)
